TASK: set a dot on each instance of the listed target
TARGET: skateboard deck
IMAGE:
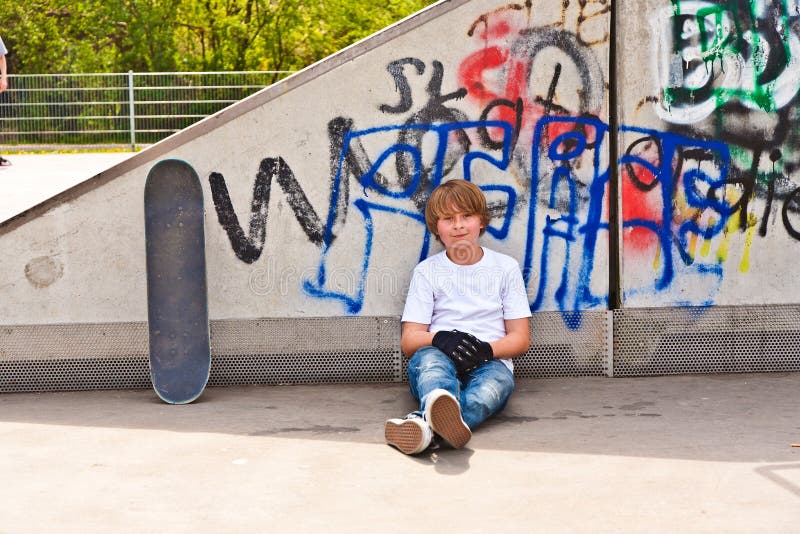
(177, 295)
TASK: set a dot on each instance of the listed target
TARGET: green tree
(235, 35)
(69, 36)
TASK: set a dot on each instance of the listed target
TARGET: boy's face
(459, 229)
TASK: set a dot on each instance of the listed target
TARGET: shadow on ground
(742, 418)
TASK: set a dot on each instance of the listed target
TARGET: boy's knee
(492, 393)
(502, 374)
(427, 356)
(430, 360)
(494, 389)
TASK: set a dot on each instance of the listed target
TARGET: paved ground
(33, 178)
(706, 453)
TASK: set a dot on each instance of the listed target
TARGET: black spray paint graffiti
(248, 247)
(503, 134)
(433, 111)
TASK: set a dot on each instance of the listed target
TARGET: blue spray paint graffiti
(701, 188)
(561, 229)
(574, 288)
(377, 188)
(578, 227)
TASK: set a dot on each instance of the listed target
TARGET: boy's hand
(465, 350)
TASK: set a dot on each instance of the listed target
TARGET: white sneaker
(443, 413)
(411, 435)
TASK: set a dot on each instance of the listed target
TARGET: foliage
(71, 36)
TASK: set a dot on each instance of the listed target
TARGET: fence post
(132, 119)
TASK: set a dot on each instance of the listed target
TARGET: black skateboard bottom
(177, 301)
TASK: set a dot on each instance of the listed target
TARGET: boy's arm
(516, 341)
(414, 336)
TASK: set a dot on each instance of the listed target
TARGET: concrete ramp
(34, 178)
(315, 190)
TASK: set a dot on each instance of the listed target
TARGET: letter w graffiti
(248, 248)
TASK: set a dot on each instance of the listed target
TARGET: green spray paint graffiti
(729, 51)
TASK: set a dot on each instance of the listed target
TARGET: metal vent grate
(74, 375)
(266, 351)
(654, 341)
(566, 344)
(314, 350)
(719, 339)
(75, 340)
(63, 357)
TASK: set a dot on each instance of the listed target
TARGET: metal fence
(116, 109)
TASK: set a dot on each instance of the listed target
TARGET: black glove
(465, 350)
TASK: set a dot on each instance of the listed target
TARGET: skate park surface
(33, 178)
(685, 453)
(692, 453)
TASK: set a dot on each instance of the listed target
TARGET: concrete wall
(314, 188)
(709, 151)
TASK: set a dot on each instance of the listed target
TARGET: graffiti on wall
(536, 150)
(729, 78)
(521, 114)
(723, 52)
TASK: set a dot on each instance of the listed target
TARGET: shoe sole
(406, 436)
(445, 420)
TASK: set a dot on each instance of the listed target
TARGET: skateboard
(177, 295)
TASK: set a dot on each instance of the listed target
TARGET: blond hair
(456, 196)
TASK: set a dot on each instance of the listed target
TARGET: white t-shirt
(476, 298)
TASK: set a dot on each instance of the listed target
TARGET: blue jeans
(481, 394)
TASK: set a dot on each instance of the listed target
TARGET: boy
(465, 317)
